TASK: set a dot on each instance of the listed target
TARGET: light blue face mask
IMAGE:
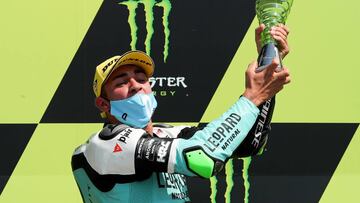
(135, 111)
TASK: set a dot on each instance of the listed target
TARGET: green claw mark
(166, 5)
(246, 164)
(213, 182)
(229, 172)
(149, 19)
(132, 6)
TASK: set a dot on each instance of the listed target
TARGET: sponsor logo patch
(117, 148)
(163, 150)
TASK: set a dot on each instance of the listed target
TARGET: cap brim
(137, 58)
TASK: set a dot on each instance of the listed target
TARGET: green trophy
(270, 13)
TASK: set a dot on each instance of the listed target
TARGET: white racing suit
(124, 164)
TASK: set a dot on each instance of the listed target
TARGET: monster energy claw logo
(229, 172)
(149, 5)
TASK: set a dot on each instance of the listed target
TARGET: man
(132, 160)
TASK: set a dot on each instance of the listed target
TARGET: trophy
(270, 13)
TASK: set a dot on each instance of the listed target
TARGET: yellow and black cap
(104, 70)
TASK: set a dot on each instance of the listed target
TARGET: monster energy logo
(229, 172)
(149, 5)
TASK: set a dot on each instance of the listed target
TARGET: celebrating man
(133, 160)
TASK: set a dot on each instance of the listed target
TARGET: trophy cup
(270, 13)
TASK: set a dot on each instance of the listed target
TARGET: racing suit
(124, 164)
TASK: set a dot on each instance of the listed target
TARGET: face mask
(135, 111)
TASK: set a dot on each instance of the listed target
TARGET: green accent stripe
(132, 6)
(246, 165)
(229, 172)
(149, 18)
(166, 5)
(213, 188)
